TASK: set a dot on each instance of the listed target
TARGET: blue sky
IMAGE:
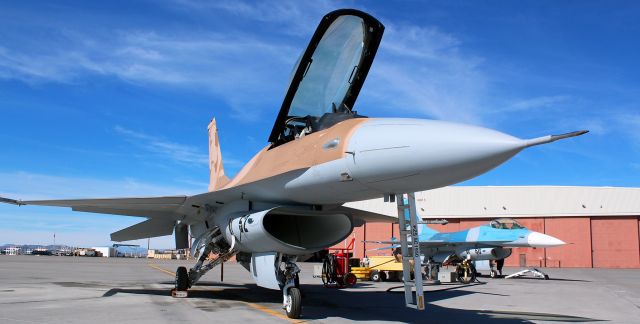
(105, 99)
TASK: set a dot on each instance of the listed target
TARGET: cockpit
(505, 223)
(328, 75)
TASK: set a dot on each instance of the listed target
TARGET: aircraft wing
(166, 207)
(432, 243)
(361, 216)
(154, 207)
(440, 243)
(162, 212)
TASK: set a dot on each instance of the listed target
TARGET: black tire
(325, 274)
(383, 276)
(375, 276)
(466, 275)
(350, 280)
(182, 279)
(294, 305)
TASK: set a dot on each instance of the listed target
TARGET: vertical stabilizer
(426, 232)
(217, 179)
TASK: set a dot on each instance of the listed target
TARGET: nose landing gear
(292, 298)
(182, 279)
(466, 272)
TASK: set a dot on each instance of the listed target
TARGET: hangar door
(615, 242)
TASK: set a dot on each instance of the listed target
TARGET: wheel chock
(178, 293)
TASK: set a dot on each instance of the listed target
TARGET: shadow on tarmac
(550, 279)
(320, 303)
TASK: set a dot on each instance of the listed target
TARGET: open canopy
(329, 75)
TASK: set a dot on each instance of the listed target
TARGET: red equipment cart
(336, 270)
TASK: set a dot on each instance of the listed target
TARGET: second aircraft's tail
(217, 179)
(425, 231)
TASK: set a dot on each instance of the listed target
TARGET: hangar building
(601, 224)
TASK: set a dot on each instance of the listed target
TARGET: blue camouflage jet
(487, 242)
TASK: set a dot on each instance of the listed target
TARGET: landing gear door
(263, 270)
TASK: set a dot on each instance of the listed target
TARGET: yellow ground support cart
(380, 268)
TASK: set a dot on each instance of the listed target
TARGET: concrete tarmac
(40, 289)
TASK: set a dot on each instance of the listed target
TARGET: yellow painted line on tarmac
(274, 313)
(252, 305)
(162, 269)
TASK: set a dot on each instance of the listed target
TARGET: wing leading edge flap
(152, 207)
(150, 228)
(175, 201)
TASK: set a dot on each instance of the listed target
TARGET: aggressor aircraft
(486, 242)
(287, 200)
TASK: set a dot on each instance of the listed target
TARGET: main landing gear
(216, 245)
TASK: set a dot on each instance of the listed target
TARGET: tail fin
(423, 230)
(217, 179)
(426, 231)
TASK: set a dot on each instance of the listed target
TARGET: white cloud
(297, 18)
(234, 66)
(628, 124)
(423, 70)
(180, 153)
(176, 152)
(534, 103)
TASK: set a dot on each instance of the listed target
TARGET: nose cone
(535, 239)
(404, 155)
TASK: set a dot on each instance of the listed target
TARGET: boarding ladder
(408, 221)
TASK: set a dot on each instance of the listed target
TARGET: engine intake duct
(290, 230)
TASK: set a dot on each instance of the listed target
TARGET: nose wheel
(293, 303)
(182, 279)
(291, 295)
(466, 272)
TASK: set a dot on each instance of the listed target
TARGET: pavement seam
(264, 309)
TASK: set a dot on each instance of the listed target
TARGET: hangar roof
(518, 201)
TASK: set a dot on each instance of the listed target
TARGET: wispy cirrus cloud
(295, 17)
(425, 70)
(237, 67)
(533, 103)
(628, 123)
(176, 152)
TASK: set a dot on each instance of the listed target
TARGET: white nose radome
(536, 239)
(406, 155)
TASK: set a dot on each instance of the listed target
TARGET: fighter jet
(287, 200)
(487, 242)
